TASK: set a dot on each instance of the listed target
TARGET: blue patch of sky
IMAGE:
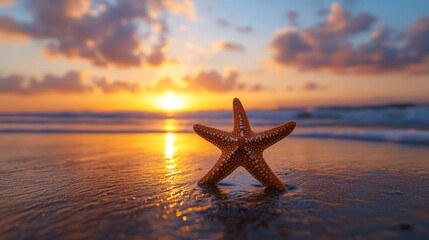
(398, 14)
(18, 11)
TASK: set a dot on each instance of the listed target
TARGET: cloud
(292, 18)
(71, 82)
(117, 86)
(204, 81)
(224, 23)
(212, 81)
(9, 29)
(228, 46)
(182, 7)
(418, 36)
(104, 33)
(221, 22)
(328, 46)
(244, 29)
(311, 86)
(307, 86)
(256, 88)
(11, 84)
(157, 56)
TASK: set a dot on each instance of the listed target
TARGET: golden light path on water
(170, 162)
(170, 124)
(175, 198)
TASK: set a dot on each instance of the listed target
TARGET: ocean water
(143, 186)
(351, 173)
(402, 123)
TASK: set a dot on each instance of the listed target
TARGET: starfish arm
(260, 170)
(217, 137)
(244, 148)
(241, 122)
(269, 137)
(224, 166)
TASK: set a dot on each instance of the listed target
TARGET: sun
(171, 102)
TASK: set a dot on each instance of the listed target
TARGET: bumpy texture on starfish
(242, 147)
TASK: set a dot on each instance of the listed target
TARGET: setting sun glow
(171, 102)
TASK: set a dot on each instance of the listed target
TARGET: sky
(171, 55)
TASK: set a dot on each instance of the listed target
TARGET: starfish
(243, 147)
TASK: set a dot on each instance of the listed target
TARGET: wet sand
(143, 186)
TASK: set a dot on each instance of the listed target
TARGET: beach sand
(143, 186)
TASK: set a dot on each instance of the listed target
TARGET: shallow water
(112, 186)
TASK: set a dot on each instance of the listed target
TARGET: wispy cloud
(244, 29)
(223, 45)
(225, 23)
(306, 86)
(257, 87)
(222, 22)
(311, 86)
(109, 87)
(292, 17)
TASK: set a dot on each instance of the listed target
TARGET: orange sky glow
(184, 55)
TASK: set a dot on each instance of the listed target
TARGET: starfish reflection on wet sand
(243, 147)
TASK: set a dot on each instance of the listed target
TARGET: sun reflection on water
(170, 161)
(177, 185)
(170, 124)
